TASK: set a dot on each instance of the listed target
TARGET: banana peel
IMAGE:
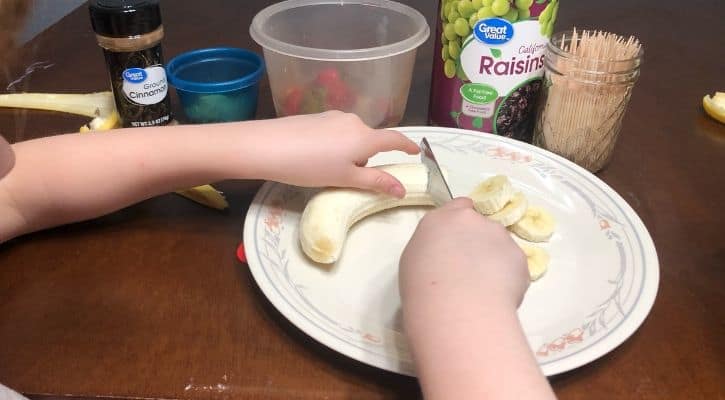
(206, 195)
(93, 105)
(715, 106)
(102, 108)
(103, 123)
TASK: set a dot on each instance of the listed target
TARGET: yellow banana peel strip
(206, 195)
(102, 108)
(715, 106)
(99, 104)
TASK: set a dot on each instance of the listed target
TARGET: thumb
(378, 181)
(458, 202)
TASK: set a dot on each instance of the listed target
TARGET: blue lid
(215, 70)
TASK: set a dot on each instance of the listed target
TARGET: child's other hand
(330, 149)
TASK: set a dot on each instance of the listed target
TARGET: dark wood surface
(150, 302)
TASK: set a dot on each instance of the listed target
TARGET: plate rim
(618, 335)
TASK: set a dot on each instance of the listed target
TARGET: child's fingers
(388, 140)
(378, 181)
(458, 203)
(452, 207)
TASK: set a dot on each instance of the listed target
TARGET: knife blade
(437, 186)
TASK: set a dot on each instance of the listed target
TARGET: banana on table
(101, 107)
(715, 106)
(330, 213)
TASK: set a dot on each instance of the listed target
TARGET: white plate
(601, 283)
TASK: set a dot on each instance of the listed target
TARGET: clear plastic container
(218, 84)
(349, 55)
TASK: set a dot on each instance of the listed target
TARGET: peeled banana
(491, 195)
(102, 108)
(537, 225)
(330, 213)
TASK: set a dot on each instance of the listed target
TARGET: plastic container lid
(215, 70)
(335, 30)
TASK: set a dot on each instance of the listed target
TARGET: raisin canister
(489, 63)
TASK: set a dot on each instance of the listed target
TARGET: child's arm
(461, 280)
(69, 178)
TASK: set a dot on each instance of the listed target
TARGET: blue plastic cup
(217, 84)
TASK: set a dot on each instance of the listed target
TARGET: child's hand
(461, 279)
(329, 149)
(457, 259)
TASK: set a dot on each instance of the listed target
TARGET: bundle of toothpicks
(589, 83)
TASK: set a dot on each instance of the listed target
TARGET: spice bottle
(130, 33)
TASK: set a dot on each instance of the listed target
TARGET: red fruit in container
(328, 76)
(292, 101)
(339, 97)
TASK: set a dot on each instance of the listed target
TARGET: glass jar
(584, 99)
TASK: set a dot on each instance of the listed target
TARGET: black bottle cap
(124, 18)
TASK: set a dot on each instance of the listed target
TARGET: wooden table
(150, 302)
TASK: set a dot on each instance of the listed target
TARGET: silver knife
(437, 185)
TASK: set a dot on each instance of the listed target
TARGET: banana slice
(537, 225)
(536, 258)
(491, 195)
(330, 213)
(513, 211)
